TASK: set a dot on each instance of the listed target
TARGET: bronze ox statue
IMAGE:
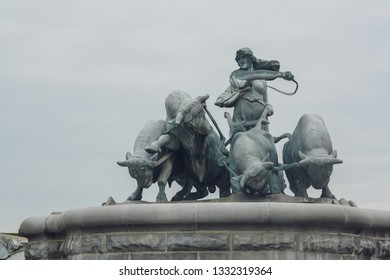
(252, 157)
(311, 146)
(163, 167)
(191, 133)
(186, 149)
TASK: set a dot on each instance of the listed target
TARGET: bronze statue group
(185, 148)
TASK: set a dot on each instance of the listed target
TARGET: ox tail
(285, 135)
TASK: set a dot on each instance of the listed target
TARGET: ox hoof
(177, 197)
(161, 198)
(212, 189)
(196, 195)
(134, 197)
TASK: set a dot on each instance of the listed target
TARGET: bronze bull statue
(162, 167)
(311, 146)
(191, 132)
(252, 157)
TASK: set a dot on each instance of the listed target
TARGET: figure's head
(245, 58)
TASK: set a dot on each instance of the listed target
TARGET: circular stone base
(210, 230)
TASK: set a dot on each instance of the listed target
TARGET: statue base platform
(206, 230)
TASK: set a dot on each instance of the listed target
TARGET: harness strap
(164, 158)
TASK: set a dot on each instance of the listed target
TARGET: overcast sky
(78, 79)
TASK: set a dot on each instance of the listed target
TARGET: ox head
(255, 178)
(141, 169)
(319, 167)
(192, 115)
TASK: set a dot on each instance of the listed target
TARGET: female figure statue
(247, 92)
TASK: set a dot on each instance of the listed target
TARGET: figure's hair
(246, 52)
(258, 64)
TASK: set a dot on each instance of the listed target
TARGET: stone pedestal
(210, 230)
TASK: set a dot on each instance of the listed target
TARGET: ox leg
(327, 193)
(200, 193)
(183, 192)
(166, 171)
(136, 195)
(276, 182)
(224, 191)
(298, 181)
(298, 187)
(224, 184)
(161, 196)
(302, 192)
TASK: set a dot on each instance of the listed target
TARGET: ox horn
(154, 157)
(128, 155)
(302, 155)
(236, 183)
(153, 164)
(123, 163)
(243, 180)
(305, 159)
(202, 98)
(334, 159)
(179, 118)
(267, 165)
(319, 160)
(266, 158)
(126, 162)
(173, 121)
